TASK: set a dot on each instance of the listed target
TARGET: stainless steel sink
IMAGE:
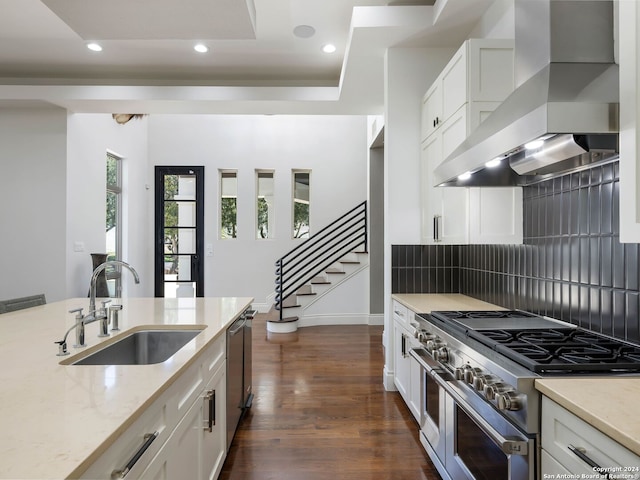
(143, 347)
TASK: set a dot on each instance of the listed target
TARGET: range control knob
(509, 401)
(470, 373)
(480, 380)
(424, 337)
(491, 390)
(441, 355)
(434, 344)
(460, 372)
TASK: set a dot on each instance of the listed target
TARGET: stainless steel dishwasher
(239, 396)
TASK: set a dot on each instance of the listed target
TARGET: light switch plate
(78, 246)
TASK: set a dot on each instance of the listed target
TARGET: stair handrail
(307, 260)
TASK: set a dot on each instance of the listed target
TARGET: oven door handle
(509, 445)
(424, 359)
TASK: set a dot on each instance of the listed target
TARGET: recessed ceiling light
(94, 46)
(329, 48)
(200, 48)
(304, 31)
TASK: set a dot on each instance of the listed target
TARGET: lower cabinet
(197, 447)
(571, 446)
(407, 370)
(182, 434)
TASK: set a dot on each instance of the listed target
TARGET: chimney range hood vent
(570, 101)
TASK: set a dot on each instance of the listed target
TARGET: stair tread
(284, 320)
(293, 305)
(318, 282)
(349, 262)
(333, 271)
(305, 294)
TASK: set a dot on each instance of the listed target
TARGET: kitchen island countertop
(55, 418)
(609, 404)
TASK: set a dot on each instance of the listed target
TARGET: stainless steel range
(481, 411)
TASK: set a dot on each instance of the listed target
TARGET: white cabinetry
(406, 369)
(470, 87)
(572, 446)
(184, 446)
(197, 447)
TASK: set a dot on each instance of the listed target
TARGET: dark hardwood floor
(320, 411)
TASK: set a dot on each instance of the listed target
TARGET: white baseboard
(262, 307)
(340, 319)
(387, 381)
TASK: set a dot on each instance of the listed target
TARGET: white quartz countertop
(428, 302)
(56, 419)
(609, 404)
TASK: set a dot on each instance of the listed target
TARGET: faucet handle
(104, 302)
(62, 348)
(78, 311)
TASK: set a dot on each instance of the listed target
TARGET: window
(228, 204)
(114, 221)
(301, 203)
(264, 204)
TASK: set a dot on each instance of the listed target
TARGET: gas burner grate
(557, 350)
(462, 314)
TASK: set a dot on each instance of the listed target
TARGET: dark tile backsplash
(571, 266)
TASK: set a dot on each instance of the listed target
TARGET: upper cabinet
(480, 71)
(629, 49)
(475, 81)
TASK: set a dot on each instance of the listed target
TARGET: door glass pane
(179, 241)
(177, 267)
(180, 289)
(484, 459)
(179, 187)
(179, 214)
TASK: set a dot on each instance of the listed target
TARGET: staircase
(317, 266)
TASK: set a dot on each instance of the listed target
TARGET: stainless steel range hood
(566, 93)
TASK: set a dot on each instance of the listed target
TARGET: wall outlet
(209, 250)
(78, 246)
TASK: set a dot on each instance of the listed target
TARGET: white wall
(334, 148)
(32, 202)
(89, 138)
(408, 74)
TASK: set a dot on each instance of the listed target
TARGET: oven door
(483, 444)
(432, 403)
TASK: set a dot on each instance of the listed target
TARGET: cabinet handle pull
(436, 228)
(148, 440)
(579, 452)
(211, 398)
(434, 123)
(404, 346)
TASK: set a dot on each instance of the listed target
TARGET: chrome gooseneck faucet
(94, 314)
(94, 279)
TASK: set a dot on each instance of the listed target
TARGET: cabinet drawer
(561, 429)
(400, 313)
(159, 417)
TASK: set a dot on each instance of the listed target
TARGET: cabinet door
(496, 215)
(431, 110)
(401, 370)
(184, 459)
(445, 216)
(214, 442)
(478, 113)
(453, 132)
(491, 72)
(454, 83)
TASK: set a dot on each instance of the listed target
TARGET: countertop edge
(584, 414)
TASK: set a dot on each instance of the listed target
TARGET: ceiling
(255, 62)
